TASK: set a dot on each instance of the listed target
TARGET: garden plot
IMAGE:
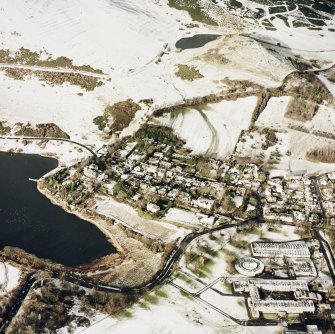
(214, 129)
(254, 146)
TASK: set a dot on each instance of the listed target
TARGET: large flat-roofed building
(258, 305)
(310, 329)
(303, 268)
(297, 249)
(270, 285)
(281, 306)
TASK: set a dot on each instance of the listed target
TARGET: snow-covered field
(234, 306)
(170, 313)
(35, 102)
(183, 217)
(128, 216)
(133, 43)
(300, 144)
(108, 35)
(122, 39)
(66, 153)
(273, 114)
(127, 48)
(213, 129)
(243, 58)
(297, 143)
(323, 121)
(9, 278)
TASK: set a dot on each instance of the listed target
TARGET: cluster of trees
(28, 57)
(309, 87)
(49, 306)
(4, 129)
(40, 130)
(45, 311)
(161, 134)
(106, 302)
(117, 117)
(301, 109)
(325, 154)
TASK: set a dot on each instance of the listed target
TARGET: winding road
(30, 280)
(324, 244)
(213, 147)
(50, 139)
(161, 276)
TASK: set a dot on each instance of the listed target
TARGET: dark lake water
(196, 41)
(30, 221)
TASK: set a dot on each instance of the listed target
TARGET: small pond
(196, 41)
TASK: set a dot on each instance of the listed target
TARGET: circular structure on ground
(249, 266)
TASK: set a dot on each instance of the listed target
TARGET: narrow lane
(50, 139)
(324, 244)
(17, 303)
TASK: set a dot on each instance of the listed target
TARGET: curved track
(50, 139)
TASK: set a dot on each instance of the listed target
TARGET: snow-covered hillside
(213, 130)
(110, 35)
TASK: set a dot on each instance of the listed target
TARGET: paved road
(50, 139)
(165, 273)
(242, 322)
(327, 253)
(161, 276)
(324, 244)
(17, 303)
